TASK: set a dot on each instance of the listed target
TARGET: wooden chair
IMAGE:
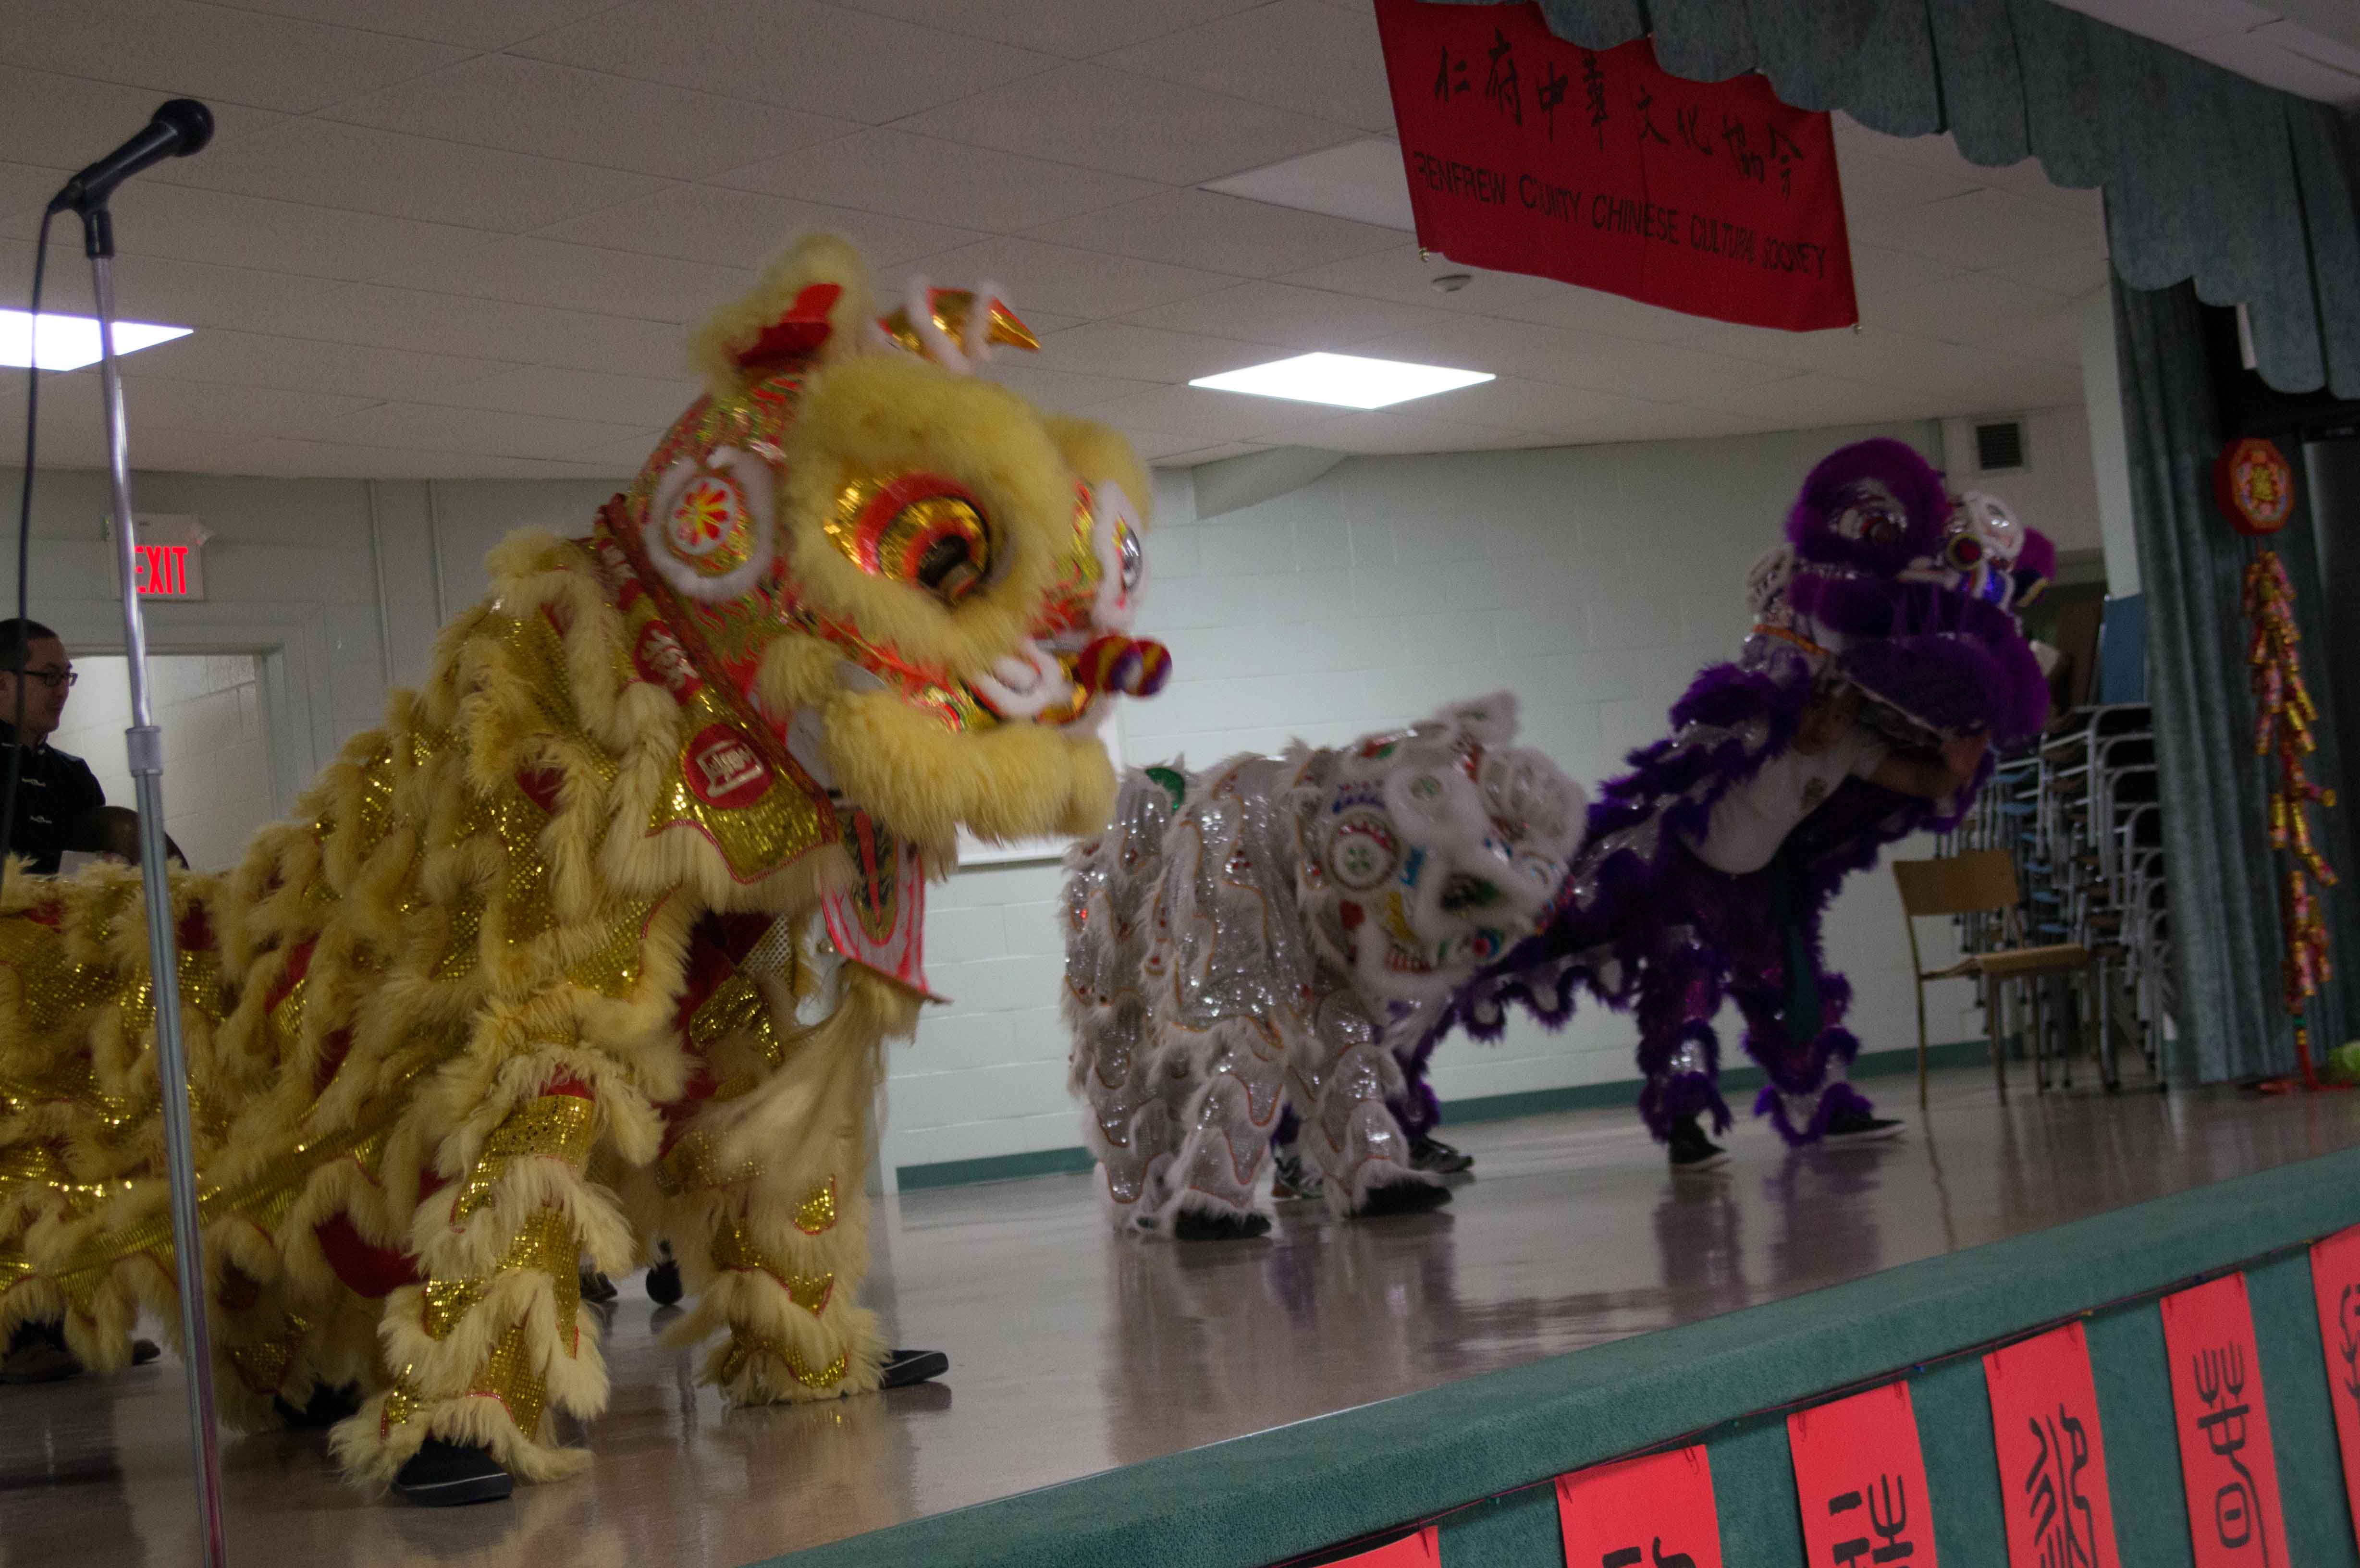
(1979, 881)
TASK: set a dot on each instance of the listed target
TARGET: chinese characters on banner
(1423, 1550)
(1528, 154)
(2053, 1457)
(2225, 1458)
(1861, 1482)
(2335, 1277)
(1656, 1512)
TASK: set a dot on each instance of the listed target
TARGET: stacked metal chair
(2082, 816)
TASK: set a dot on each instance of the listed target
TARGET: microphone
(178, 128)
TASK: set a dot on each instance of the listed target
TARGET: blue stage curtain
(2222, 875)
(2209, 178)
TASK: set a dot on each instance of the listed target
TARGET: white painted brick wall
(1593, 582)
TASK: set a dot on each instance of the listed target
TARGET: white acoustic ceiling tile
(1212, 454)
(460, 324)
(1068, 282)
(1971, 307)
(26, 188)
(257, 361)
(1126, 123)
(1048, 387)
(1270, 312)
(937, 181)
(476, 24)
(151, 289)
(1384, 431)
(583, 278)
(1659, 421)
(2057, 344)
(1874, 184)
(179, 223)
(743, 228)
(1291, 54)
(1648, 371)
(1936, 154)
(639, 401)
(1154, 446)
(1208, 415)
(2178, 22)
(1400, 274)
(2027, 178)
(479, 430)
(83, 445)
(624, 455)
(1075, 29)
(368, 171)
(1147, 354)
(537, 106)
(2075, 276)
(1984, 228)
(210, 51)
(1802, 402)
(222, 411)
(821, 60)
(1221, 234)
(1513, 403)
(64, 121)
(1555, 304)
(1877, 272)
(2260, 57)
(334, 460)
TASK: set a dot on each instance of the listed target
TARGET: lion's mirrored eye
(1965, 551)
(919, 529)
(1128, 551)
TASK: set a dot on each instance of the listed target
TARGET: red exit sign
(168, 557)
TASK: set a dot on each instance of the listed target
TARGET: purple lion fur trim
(1664, 1102)
(1838, 1098)
(1950, 663)
(1416, 1107)
(2039, 556)
(1838, 482)
(1793, 1071)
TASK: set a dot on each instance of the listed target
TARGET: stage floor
(1073, 1351)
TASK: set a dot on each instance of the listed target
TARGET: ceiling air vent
(1999, 446)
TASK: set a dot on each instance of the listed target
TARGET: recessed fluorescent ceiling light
(1345, 380)
(69, 343)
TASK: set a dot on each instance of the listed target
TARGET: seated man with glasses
(53, 790)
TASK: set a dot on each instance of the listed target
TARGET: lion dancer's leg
(1794, 1017)
(1340, 1077)
(1220, 1089)
(770, 1216)
(1680, 990)
(494, 1344)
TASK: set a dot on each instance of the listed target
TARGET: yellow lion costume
(598, 939)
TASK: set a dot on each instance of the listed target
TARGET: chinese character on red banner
(1656, 1512)
(2335, 1277)
(2053, 1457)
(1859, 1481)
(1528, 154)
(1423, 1550)
(2226, 1461)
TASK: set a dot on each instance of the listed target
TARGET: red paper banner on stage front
(1528, 154)
(2226, 1460)
(2336, 1277)
(1423, 1550)
(1860, 1480)
(2052, 1455)
(1656, 1512)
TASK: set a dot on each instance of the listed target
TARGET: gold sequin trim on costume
(743, 1350)
(734, 1249)
(544, 1242)
(262, 1366)
(553, 1127)
(816, 1212)
(692, 1167)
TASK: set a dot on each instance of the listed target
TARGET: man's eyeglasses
(52, 679)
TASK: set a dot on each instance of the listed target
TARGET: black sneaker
(1195, 1225)
(37, 1354)
(597, 1288)
(904, 1367)
(329, 1404)
(1432, 1154)
(1859, 1127)
(1692, 1151)
(443, 1474)
(142, 1351)
(1404, 1198)
(1291, 1179)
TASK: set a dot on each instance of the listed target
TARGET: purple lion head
(1875, 506)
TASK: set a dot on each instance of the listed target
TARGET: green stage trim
(1304, 1488)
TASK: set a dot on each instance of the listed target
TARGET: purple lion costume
(1886, 584)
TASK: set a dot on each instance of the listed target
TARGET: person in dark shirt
(53, 790)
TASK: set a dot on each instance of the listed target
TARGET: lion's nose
(1136, 667)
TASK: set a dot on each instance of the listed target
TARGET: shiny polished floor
(1073, 1351)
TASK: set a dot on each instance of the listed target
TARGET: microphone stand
(144, 741)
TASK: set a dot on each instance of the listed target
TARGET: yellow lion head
(926, 583)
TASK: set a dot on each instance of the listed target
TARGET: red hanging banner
(2052, 1455)
(1595, 167)
(1423, 1550)
(2226, 1460)
(1656, 1512)
(1859, 1481)
(2336, 1277)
